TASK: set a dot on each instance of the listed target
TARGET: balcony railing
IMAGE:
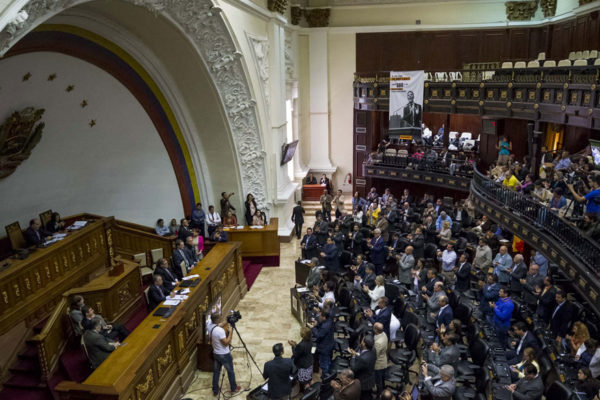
(452, 174)
(543, 218)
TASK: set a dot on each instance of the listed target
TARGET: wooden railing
(51, 341)
(130, 239)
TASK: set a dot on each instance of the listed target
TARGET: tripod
(243, 346)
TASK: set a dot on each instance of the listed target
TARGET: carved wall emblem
(19, 134)
(520, 10)
(548, 7)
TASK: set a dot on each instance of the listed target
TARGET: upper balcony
(564, 94)
(577, 256)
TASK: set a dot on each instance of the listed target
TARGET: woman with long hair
(250, 205)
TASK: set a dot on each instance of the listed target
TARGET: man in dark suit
(406, 213)
(363, 366)
(530, 387)
(331, 257)
(309, 245)
(529, 284)
(278, 372)
(111, 331)
(298, 218)
(169, 277)
(546, 300)
(157, 293)
(518, 272)
(378, 252)
(370, 276)
(310, 179)
(463, 273)
(524, 340)
(35, 234)
(322, 331)
(417, 241)
(432, 278)
(445, 315)
(184, 229)
(439, 206)
(412, 112)
(383, 314)
(179, 256)
(561, 318)
(98, 347)
(356, 240)
(191, 251)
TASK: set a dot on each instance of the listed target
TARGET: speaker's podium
(400, 129)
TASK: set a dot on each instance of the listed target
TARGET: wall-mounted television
(595, 147)
(287, 152)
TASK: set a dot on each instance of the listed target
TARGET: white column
(319, 106)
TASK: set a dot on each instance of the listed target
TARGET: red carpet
(251, 272)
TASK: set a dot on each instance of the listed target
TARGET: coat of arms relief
(19, 134)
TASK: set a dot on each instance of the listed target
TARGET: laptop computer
(190, 283)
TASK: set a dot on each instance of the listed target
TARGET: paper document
(187, 278)
(256, 227)
(59, 235)
(180, 297)
(185, 291)
(302, 290)
(79, 223)
(240, 227)
(171, 302)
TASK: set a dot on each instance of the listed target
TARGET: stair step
(30, 352)
(27, 366)
(25, 381)
(24, 394)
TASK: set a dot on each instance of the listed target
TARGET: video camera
(234, 317)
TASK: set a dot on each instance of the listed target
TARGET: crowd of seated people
(436, 159)
(388, 291)
(570, 188)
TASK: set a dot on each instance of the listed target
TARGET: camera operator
(592, 198)
(220, 339)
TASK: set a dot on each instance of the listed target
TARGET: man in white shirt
(213, 219)
(329, 288)
(448, 259)
(220, 339)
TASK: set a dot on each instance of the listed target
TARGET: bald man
(381, 362)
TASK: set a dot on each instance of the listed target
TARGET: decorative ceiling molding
(548, 7)
(520, 10)
(277, 6)
(201, 21)
(317, 17)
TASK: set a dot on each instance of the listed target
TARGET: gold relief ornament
(19, 134)
(5, 296)
(143, 388)
(38, 278)
(180, 341)
(17, 290)
(27, 284)
(164, 361)
(520, 10)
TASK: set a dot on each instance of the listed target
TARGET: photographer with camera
(220, 339)
(592, 198)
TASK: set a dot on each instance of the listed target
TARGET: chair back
(549, 63)
(183, 268)
(479, 351)
(45, 218)
(558, 391)
(520, 64)
(564, 63)
(409, 318)
(507, 65)
(146, 294)
(412, 336)
(157, 254)
(140, 258)
(15, 235)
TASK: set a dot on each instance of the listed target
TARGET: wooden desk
(312, 192)
(115, 297)
(298, 308)
(30, 289)
(261, 244)
(159, 363)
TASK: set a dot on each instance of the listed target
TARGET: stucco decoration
(289, 56)
(18, 136)
(548, 7)
(202, 22)
(520, 10)
(260, 54)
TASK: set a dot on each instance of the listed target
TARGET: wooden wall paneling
(465, 123)
(575, 138)
(494, 45)
(444, 57)
(538, 42)
(581, 34)
(434, 121)
(519, 44)
(468, 45)
(561, 40)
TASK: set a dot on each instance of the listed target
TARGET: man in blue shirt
(503, 309)
(592, 198)
(440, 221)
(564, 161)
(502, 265)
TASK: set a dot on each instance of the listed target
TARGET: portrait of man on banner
(406, 104)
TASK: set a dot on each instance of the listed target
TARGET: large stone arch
(203, 24)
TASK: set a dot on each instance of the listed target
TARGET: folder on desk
(190, 283)
(164, 312)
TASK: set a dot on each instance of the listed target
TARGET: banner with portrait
(406, 104)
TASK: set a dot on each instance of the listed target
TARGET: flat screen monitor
(595, 147)
(287, 152)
